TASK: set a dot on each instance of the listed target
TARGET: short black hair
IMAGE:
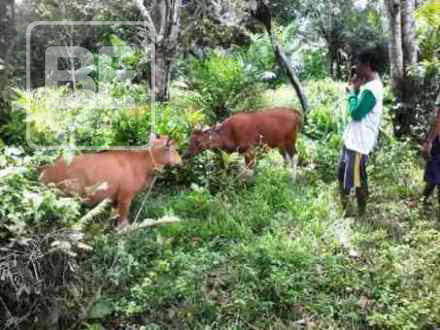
(370, 57)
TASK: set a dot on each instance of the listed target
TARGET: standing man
(431, 152)
(365, 104)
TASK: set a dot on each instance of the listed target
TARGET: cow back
(271, 126)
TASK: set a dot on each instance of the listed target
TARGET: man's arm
(359, 107)
(435, 130)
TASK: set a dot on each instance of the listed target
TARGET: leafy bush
(315, 65)
(307, 60)
(13, 132)
(91, 122)
(58, 117)
(223, 85)
(41, 280)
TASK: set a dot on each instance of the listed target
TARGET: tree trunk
(163, 20)
(331, 65)
(409, 59)
(7, 44)
(7, 26)
(284, 63)
(162, 66)
(261, 12)
(401, 121)
(402, 54)
(409, 33)
(395, 48)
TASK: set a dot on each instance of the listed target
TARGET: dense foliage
(426, 73)
(260, 252)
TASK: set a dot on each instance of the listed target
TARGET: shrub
(315, 65)
(40, 277)
(91, 122)
(223, 85)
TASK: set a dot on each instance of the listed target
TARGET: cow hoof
(247, 173)
(122, 227)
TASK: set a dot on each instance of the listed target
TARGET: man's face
(362, 70)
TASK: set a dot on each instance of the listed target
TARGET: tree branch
(175, 25)
(163, 10)
(145, 13)
(262, 13)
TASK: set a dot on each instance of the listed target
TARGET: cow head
(164, 150)
(201, 140)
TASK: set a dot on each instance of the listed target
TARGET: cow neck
(156, 167)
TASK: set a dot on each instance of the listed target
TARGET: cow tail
(300, 121)
(40, 169)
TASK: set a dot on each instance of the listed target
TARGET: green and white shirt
(365, 109)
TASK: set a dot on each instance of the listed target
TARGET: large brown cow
(276, 127)
(117, 175)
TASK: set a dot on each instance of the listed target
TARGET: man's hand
(355, 84)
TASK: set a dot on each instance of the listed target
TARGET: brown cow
(276, 127)
(117, 175)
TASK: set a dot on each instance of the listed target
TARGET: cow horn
(168, 142)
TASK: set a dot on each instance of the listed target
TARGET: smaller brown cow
(275, 127)
(117, 175)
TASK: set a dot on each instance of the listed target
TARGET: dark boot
(345, 201)
(343, 196)
(342, 192)
(361, 196)
(427, 192)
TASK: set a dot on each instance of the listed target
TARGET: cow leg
(219, 156)
(292, 157)
(249, 157)
(285, 157)
(295, 165)
(123, 205)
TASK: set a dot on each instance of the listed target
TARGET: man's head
(367, 63)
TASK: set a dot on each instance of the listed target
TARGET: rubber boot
(427, 192)
(361, 196)
(344, 200)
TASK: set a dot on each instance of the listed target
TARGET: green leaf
(101, 309)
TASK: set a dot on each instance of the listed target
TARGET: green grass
(264, 252)
(264, 255)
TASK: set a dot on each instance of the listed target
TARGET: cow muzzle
(186, 155)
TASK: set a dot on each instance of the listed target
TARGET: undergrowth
(259, 252)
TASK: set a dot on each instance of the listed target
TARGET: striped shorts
(352, 170)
